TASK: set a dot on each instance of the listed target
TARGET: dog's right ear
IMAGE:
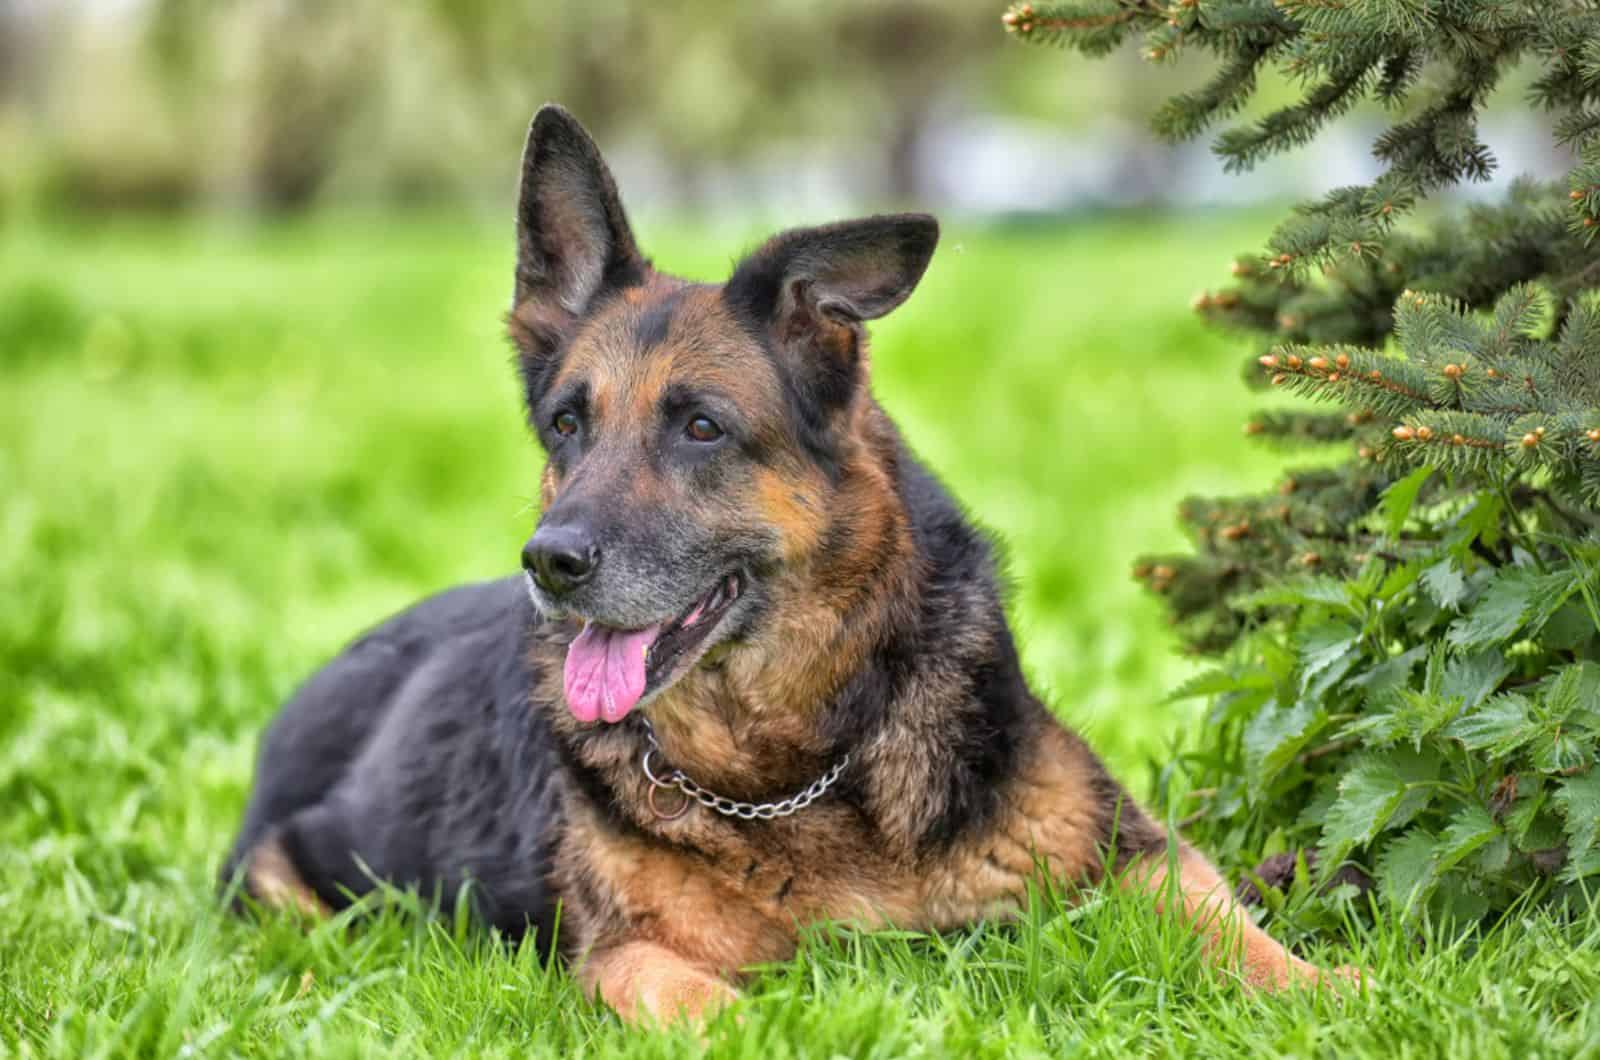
(573, 239)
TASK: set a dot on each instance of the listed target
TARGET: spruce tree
(1409, 636)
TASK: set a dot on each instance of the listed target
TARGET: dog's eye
(565, 424)
(702, 429)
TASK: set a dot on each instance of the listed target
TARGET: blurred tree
(277, 102)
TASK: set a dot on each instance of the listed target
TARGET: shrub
(1409, 635)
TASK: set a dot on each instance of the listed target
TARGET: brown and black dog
(757, 672)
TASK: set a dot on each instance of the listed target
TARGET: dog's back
(414, 758)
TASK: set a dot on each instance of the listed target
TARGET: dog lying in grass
(756, 672)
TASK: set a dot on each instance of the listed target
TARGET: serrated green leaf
(1550, 592)
(1470, 828)
(1473, 678)
(1299, 592)
(1575, 689)
(1276, 734)
(1217, 681)
(1569, 627)
(1531, 796)
(1494, 856)
(1499, 613)
(1326, 653)
(1579, 800)
(1420, 714)
(1399, 498)
(1380, 791)
(1391, 673)
(1405, 869)
(1577, 868)
(1560, 752)
(1398, 580)
(1445, 584)
(1379, 726)
(1503, 723)
(1481, 521)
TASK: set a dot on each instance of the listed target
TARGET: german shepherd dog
(756, 673)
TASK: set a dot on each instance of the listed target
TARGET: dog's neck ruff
(748, 811)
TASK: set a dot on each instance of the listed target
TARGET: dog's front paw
(1339, 979)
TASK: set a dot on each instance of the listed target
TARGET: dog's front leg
(1203, 899)
(644, 979)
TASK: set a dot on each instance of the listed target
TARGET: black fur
(416, 755)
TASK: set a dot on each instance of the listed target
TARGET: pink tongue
(605, 671)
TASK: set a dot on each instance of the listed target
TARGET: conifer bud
(1530, 440)
(1343, 361)
(1200, 301)
(1452, 371)
(1404, 434)
(1575, 195)
(1294, 363)
(1491, 373)
(1593, 434)
(1164, 572)
(1268, 361)
(1424, 434)
(1333, 377)
(1239, 268)
(1456, 439)
(1236, 531)
(1318, 363)
(1254, 427)
(1366, 452)
(1310, 559)
(1141, 571)
(1279, 379)
(1375, 375)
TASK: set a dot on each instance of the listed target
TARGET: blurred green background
(254, 392)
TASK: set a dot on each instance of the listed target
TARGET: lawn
(225, 449)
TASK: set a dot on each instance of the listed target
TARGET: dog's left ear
(573, 239)
(813, 287)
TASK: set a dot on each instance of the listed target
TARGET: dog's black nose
(560, 558)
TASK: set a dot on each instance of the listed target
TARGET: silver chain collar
(748, 811)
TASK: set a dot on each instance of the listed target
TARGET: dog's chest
(738, 898)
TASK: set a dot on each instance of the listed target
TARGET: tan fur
(715, 903)
(1232, 939)
(271, 878)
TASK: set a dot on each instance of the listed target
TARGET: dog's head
(695, 433)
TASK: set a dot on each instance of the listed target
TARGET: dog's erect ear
(812, 287)
(573, 240)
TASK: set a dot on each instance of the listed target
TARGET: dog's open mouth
(609, 670)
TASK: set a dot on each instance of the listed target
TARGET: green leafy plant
(1409, 634)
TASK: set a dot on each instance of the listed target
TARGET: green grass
(225, 450)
